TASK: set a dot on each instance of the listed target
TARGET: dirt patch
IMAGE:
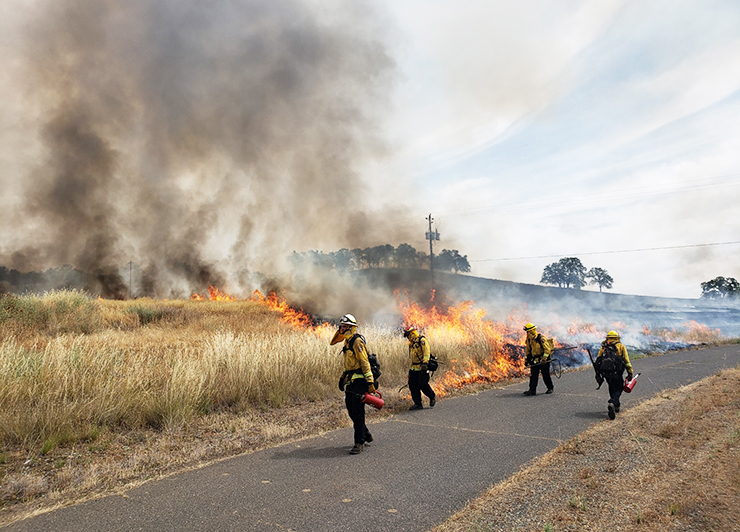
(671, 463)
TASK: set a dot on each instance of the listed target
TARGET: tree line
(385, 256)
(571, 273)
(65, 277)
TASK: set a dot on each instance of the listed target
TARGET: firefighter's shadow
(590, 415)
(310, 453)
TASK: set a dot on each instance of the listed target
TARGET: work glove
(599, 380)
(341, 383)
(424, 368)
(629, 376)
(371, 388)
(528, 361)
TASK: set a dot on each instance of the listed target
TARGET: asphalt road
(422, 467)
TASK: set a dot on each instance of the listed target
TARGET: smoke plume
(196, 139)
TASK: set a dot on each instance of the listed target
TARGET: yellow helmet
(530, 327)
(612, 334)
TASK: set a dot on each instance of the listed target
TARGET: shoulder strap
(417, 343)
(351, 345)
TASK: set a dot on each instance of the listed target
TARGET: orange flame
(296, 318)
(214, 294)
(691, 331)
(291, 316)
(579, 327)
(465, 326)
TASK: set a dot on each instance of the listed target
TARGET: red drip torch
(374, 399)
(629, 384)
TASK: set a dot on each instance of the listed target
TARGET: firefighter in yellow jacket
(419, 354)
(537, 355)
(610, 364)
(357, 379)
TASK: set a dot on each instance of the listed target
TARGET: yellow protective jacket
(419, 351)
(536, 350)
(356, 364)
(621, 352)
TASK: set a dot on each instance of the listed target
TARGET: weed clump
(54, 313)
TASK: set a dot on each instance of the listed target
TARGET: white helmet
(348, 319)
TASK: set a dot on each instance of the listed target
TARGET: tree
(378, 255)
(600, 277)
(450, 259)
(566, 273)
(720, 288)
(406, 256)
(343, 259)
(553, 274)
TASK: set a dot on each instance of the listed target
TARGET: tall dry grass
(71, 366)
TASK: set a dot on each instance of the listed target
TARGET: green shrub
(146, 315)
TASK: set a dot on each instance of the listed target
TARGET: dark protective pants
(356, 408)
(535, 374)
(616, 384)
(418, 383)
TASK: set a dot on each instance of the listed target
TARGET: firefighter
(357, 379)
(610, 364)
(537, 355)
(419, 354)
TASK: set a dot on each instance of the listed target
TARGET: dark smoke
(198, 139)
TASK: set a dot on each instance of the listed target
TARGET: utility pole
(431, 236)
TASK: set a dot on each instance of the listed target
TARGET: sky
(553, 129)
(204, 139)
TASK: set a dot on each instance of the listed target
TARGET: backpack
(371, 358)
(610, 364)
(433, 363)
(545, 341)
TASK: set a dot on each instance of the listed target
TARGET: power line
(611, 195)
(690, 185)
(609, 252)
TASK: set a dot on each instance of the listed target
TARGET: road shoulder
(670, 463)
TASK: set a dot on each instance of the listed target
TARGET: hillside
(548, 304)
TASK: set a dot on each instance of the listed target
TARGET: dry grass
(71, 367)
(692, 332)
(99, 395)
(66, 373)
(671, 463)
(96, 395)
